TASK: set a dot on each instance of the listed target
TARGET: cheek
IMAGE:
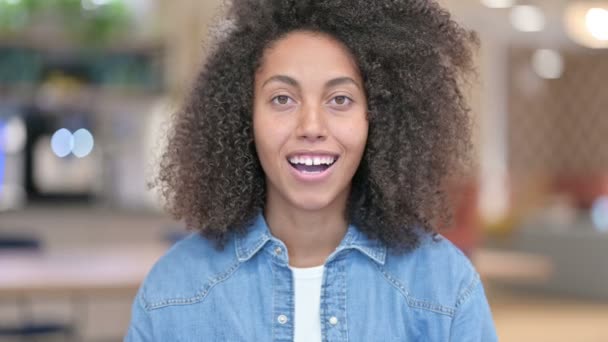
(353, 136)
(262, 139)
(269, 138)
(360, 137)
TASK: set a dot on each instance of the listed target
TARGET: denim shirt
(246, 292)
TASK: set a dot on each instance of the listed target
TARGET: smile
(312, 167)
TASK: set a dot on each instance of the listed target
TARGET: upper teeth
(312, 160)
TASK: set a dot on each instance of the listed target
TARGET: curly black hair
(413, 58)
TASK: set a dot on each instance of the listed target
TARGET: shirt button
(278, 251)
(282, 319)
(333, 320)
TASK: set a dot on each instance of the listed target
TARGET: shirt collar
(258, 234)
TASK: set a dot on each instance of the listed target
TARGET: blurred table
(90, 271)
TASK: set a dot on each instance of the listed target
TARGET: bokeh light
(498, 3)
(62, 142)
(548, 64)
(527, 18)
(597, 23)
(83, 143)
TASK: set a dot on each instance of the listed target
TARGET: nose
(311, 124)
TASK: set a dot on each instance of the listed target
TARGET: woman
(309, 157)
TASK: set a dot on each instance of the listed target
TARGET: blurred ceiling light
(88, 5)
(93, 4)
(527, 18)
(586, 23)
(62, 142)
(83, 143)
(15, 135)
(599, 213)
(548, 64)
(597, 23)
(498, 3)
(101, 2)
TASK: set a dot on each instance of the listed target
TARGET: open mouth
(312, 164)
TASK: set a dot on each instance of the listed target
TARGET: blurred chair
(464, 230)
(28, 330)
(583, 188)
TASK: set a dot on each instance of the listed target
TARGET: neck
(310, 236)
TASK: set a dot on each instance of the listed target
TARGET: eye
(281, 100)
(342, 100)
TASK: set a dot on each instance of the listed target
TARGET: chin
(311, 202)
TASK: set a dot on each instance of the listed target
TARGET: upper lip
(313, 153)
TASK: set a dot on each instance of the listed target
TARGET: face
(310, 121)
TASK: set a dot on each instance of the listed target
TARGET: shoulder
(186, 272)
(435, 276)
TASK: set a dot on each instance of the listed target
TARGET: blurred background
(87, 86)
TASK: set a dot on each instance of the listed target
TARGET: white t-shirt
(307, 287)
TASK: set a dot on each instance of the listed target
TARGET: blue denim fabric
(245, 293)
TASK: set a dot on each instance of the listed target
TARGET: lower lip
(313, 176)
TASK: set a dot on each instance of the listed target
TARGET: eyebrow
(292, 82)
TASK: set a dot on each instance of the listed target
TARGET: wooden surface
(521, 316)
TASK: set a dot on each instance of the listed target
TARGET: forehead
(308, 53)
